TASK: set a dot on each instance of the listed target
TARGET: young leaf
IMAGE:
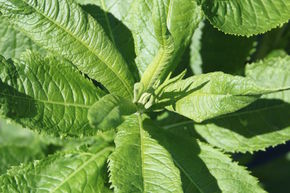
(47, 95)
(12, 42)
(221, 95)
(157, 69)
(63, 172)
(246, 17)
(203, 168)
(70, 32)
(182, 19)
(139, 163)
(265, 123)
(108, 112)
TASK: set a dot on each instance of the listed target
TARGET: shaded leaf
(203, 168)
(20, 146)
(217, 51)
(115, 29)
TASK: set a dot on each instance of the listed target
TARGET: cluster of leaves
(104, 84)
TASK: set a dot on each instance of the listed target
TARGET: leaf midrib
(141, 149)
(107, 21)
(226, 116)
(81, 167)
(186, 174)
(48, 101)
(84, 44)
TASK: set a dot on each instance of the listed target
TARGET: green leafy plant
(118, 107)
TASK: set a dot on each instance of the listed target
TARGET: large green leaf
(108, 112)
(47, 95)
(222, 94)
(139, 163)
(63, 172)
(213, 50)
(203, 168)
(263, 124)
(12, 42)
(249, 17)
(65, 29)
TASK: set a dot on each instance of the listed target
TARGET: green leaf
(158, 68)
(222, 94)
(182, 19)
(63, 172)
(246, 17)
(46, 94)
(108, 112)
(12, 42)
(216, 51)
(76, 37)
(272, 72)
(265, 123)
(139, 163)
(203, 168)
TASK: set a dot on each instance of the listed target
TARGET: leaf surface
(216, 51)
(18, 146)
(63, 172)
(263, 124)
(115, 28)
(274, 71)
(108, 112)
(203, 168)
(140, 164)
(222, 94)
(181, 20)
(12, 42)
(68, 31)
(48, 95)
(248, 17)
